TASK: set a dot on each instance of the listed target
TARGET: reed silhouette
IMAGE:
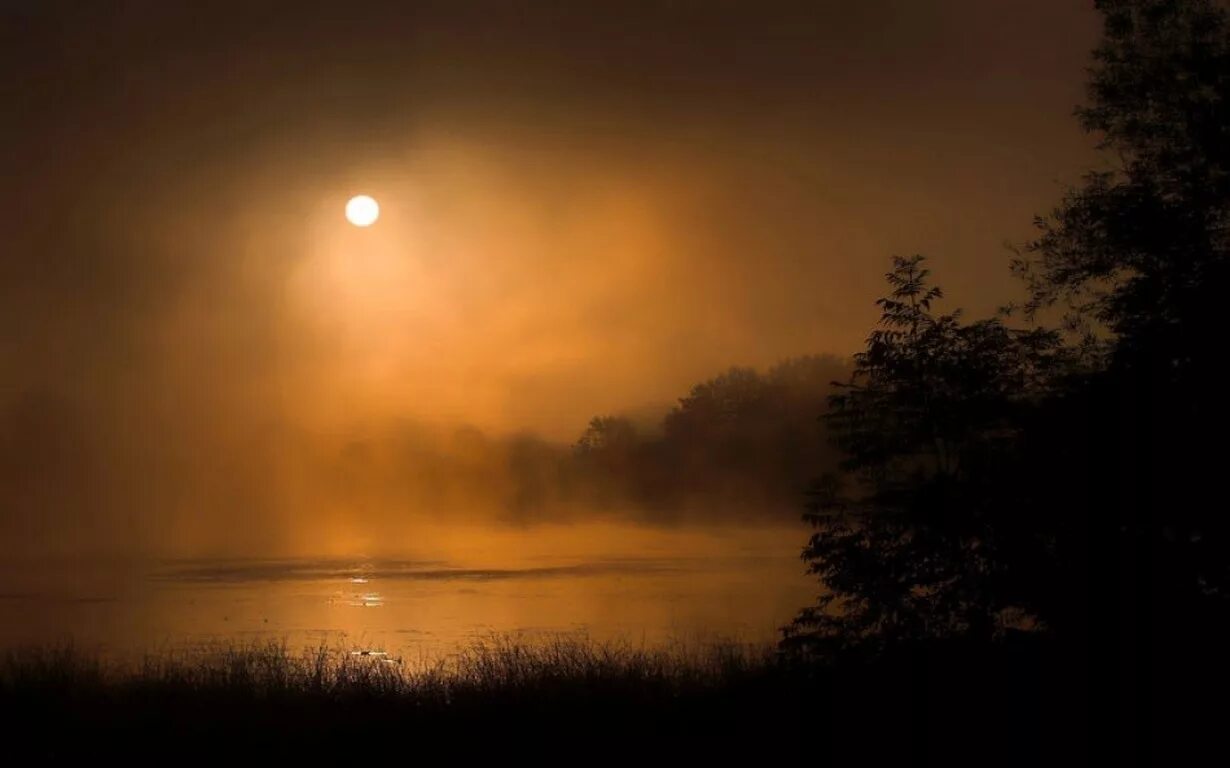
(558, 700)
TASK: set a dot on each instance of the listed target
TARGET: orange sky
(586, 209)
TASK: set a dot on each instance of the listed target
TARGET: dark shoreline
(1010, 703)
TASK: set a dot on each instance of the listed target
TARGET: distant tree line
(743, 444)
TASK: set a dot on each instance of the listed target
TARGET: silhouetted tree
(922, 536)
(1141, 248)
(1141, 254)
(1078, 488)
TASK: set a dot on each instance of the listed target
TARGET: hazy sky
(587, 207)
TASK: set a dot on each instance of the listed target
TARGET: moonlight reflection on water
(742, 587)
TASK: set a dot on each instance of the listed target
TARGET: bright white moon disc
(362, 211)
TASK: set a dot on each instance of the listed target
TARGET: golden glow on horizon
(362, 211)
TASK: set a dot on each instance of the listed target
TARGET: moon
(362, 211)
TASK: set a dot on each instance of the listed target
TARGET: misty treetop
(743, 443)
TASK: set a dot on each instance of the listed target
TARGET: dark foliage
(1066, 482)
(925, 536)
(1144, 252)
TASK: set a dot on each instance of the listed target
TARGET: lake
(636, 585)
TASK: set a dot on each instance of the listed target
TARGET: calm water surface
(650, 588)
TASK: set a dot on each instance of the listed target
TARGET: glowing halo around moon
(362, 211)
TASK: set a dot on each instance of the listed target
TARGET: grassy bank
(559, 700)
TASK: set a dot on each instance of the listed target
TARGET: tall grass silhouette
(686, 701)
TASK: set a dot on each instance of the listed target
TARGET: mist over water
(606, 582)
(584, 213)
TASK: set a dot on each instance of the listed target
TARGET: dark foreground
(560, 701)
